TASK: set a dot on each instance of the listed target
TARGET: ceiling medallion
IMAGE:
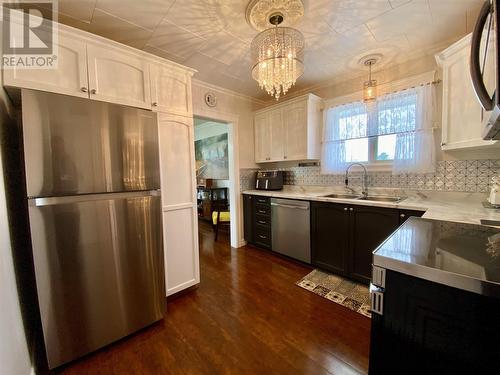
(278, 51)
(259, 12)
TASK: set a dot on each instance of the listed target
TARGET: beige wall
(405, 70)
(235, 105)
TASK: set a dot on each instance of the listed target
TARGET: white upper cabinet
(462, 121)
(289, 130)
(276, 136)
(294, 119)
(262, 138)
(170, 90)
(69, 78)
(93, 67)
(116, 76)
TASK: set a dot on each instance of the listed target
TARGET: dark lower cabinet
(329, 242)
(406, 214)
(257, 220)
(429, 328)
(343, 237)
(248, 219)
(370, 226)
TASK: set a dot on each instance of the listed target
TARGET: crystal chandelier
(277, 57)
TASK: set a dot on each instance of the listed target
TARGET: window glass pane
(356, 150)
(386, 147)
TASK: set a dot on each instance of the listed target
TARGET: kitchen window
(395, 132)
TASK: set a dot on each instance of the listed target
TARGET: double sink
(374, 198)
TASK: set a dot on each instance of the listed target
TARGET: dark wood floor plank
(246, 317)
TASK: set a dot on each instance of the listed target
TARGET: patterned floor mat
(339, 290)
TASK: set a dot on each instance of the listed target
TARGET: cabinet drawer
(262, 200)
(263, 237)
(262, 209)
(263, 220)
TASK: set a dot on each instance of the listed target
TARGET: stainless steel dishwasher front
(290, 223)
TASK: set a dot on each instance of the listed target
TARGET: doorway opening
(213, 155)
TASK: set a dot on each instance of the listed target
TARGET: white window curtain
(409, 114)
(344, 122)
(414, 125)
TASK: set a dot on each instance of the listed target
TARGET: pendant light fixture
(370, 86)
(277, 52)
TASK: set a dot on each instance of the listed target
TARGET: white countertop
(448, 206)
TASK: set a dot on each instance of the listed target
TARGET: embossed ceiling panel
(214, 37)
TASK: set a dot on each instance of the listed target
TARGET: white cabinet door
(116, 76)
(69, 78)
(170, 90)
(295, 127)
(462, 123)
(277, 135)
(178, 185)
(262, 138)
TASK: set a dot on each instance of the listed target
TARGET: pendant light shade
(370, 86)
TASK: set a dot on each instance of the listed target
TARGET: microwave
(484, 67)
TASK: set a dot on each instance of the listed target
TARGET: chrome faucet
(365, 179)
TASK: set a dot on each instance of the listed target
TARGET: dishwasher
(290, 224)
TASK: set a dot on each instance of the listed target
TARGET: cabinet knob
(284, 157)
(345, 208)
(155, 104)
(402, 215)
(443, 143)
(351, 209)
(84, 89)
(93, 91)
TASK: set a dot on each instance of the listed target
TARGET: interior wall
(394, 73)
(206, 129)
(236, 105)
(14, 354)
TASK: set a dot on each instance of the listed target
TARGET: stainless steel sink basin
(342, 196)
(376, 198)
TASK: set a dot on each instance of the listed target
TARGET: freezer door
(79, 146)
(99, 269)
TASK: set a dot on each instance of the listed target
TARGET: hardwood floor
(246, 317)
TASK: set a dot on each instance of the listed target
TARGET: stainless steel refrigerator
(92, 177)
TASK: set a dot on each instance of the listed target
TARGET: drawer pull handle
(262, 212)
(263, 237)
(262, 222)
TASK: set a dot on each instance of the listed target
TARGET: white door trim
(235, 200)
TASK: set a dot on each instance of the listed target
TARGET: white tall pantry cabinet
(178, 185)
(99, 69)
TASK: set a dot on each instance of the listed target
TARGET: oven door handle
(475, 64)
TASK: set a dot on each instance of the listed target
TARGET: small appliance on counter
(269, 180)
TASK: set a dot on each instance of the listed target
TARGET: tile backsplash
(456, 175)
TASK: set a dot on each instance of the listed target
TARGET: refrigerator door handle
(48, 201)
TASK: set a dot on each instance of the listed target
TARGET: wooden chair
(220, 215)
